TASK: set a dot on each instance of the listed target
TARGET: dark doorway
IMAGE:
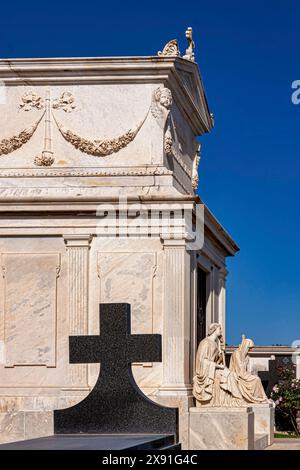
(201, 304)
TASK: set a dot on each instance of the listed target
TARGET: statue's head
(246, 344)
(164, 97)
(215, 328)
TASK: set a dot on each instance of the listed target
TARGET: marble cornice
(117, 70)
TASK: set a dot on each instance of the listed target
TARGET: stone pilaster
(176, 388)
(176, 311)
(78, 274)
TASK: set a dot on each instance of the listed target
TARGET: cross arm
(84, 349)
(144, 348)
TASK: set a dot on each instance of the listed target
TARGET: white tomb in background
(77, 134)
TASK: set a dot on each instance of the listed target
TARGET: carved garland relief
(161, 102)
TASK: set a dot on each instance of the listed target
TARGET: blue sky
(248, 54)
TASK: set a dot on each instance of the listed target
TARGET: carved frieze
(66, 102)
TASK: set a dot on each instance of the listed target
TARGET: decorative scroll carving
(161, 103)
(170, 50)
(31, 100)
(98, 147)
(195, 176)
(168, 142)
(189, 53)
(14, 143)
(66, 102)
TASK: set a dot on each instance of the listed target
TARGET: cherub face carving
(164, 97)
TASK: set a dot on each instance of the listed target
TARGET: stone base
(264, 420)
(215, 428)
(260, 441)
(20, 425)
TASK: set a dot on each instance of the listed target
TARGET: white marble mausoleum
(87, 145)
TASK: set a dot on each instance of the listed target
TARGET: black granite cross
(116, 404)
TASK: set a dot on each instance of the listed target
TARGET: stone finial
(170, 50)
(189, 53)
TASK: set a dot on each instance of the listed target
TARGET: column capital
(173, 242)
(78, 240)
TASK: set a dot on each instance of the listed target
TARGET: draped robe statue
(250, 385)
(216, 385)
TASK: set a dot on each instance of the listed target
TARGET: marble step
(260, 441)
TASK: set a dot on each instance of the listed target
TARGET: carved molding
(171, 49)
(37, 173)
(17, 141)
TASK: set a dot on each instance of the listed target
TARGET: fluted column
(176, 318)
(78, 276)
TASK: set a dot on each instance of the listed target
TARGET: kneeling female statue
(215, 384)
